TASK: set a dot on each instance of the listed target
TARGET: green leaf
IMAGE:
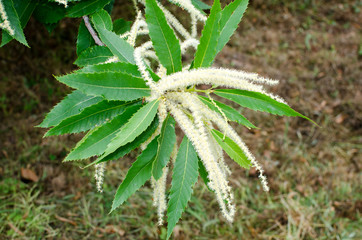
(90, 117)
(184, 177)
(118, 46)
(258, 102)
(109, 7)
(96, 143)
(86, 7)
(137, 175)
(93, 55)
(121, 26)
(230, 112)
(232, 149)
(200, 5)
(103, 20)
(204, 175)
(122, 67)
(71, 105)
(230, 18)
(24, 9)
(123, 150)
(165, 43)
(84, 39)
(134, 127)
(49, 13)
(110, 85)
(14, 22)
(166, 142)
(206, 51)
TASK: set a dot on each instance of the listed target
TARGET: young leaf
(134, 127)
(230, 18)
(230, 112)
(123, 150)
(166, 142)
(24, 9)
(110, 85)
(96, 142)
(84, 39)
(119, 47)
(71, 105)
(86, 7)
(232, 149)
(206, 51)
(93, 55)
(90, 117)
(103, 20)
(184, 177)
(136, 176)
(165, 43)
(14, 23)
(258, 102)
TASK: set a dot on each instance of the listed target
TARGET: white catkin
(133, 33)
(191, 42)
(99, 175)
(196, 134)
(6, 23)
(193, 26)
(188, 6)
(159, 194)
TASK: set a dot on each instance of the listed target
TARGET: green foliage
(86, 7)
(166, 142)
(206, 51)
(166, 45)
(84, 40)
(92, 55)
(136, 176)
(232, 149)
(184, 177)
(15, 23)
(110, 85)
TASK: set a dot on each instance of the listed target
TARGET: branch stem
(92, 32)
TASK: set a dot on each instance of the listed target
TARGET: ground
(313, 47)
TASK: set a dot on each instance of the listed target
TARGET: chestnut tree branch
(92, 32)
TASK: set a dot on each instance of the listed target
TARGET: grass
(314, 173)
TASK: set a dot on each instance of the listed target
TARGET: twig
(92, 32)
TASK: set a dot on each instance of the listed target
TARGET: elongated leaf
(123, 150)
(84, 39)
(230, 112)
(230, 18)
(136, 176)
(166, 142)
(103, 20)
(14, 23)
(96, 143)
(85, 7)
(184, 177)
(90, 117)
(258, 102)
(206, 51)
(134, 127)
(93, 55)
(232, 149)
(165, 43)
(110, 85)
(24, 9)
(119, 47)
(71, 105)
(122, 67)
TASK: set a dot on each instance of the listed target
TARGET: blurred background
(313, 47)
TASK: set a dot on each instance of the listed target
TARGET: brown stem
(92, 32)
